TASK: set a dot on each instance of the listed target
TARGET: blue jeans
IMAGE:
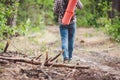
(67, 33)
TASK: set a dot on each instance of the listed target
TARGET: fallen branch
(6, 47)
(38, 57)
(56, 56)
(3, 62)
(49, 77)
(46, 56)
(26, 60)
(66, 65)
(48, 60)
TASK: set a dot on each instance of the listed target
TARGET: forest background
(24, 16)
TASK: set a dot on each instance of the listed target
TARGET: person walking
(67, 32)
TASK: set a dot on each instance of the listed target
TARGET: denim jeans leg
(64, 40)
(71, 37)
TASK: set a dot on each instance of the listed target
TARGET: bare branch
(56, 56)
(49, 77)
(6, 47)
(46, 56)
(26, 60)
(38, 57)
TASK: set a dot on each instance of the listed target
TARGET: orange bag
(69, 12)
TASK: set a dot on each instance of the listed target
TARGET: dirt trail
(92, 48)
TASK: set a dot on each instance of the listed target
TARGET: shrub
(114, 29)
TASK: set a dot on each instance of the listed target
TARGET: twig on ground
(48, 76)
(51, 65)
(45, 61)
(56, 56)
(46, 56)
(6, 46)
(48, 60)
(3, 62)
(38, 57)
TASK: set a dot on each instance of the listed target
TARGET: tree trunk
(116, 5)
(115, 8)
(11, 20)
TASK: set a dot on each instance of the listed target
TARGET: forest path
(95, 49)
(92, 48)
